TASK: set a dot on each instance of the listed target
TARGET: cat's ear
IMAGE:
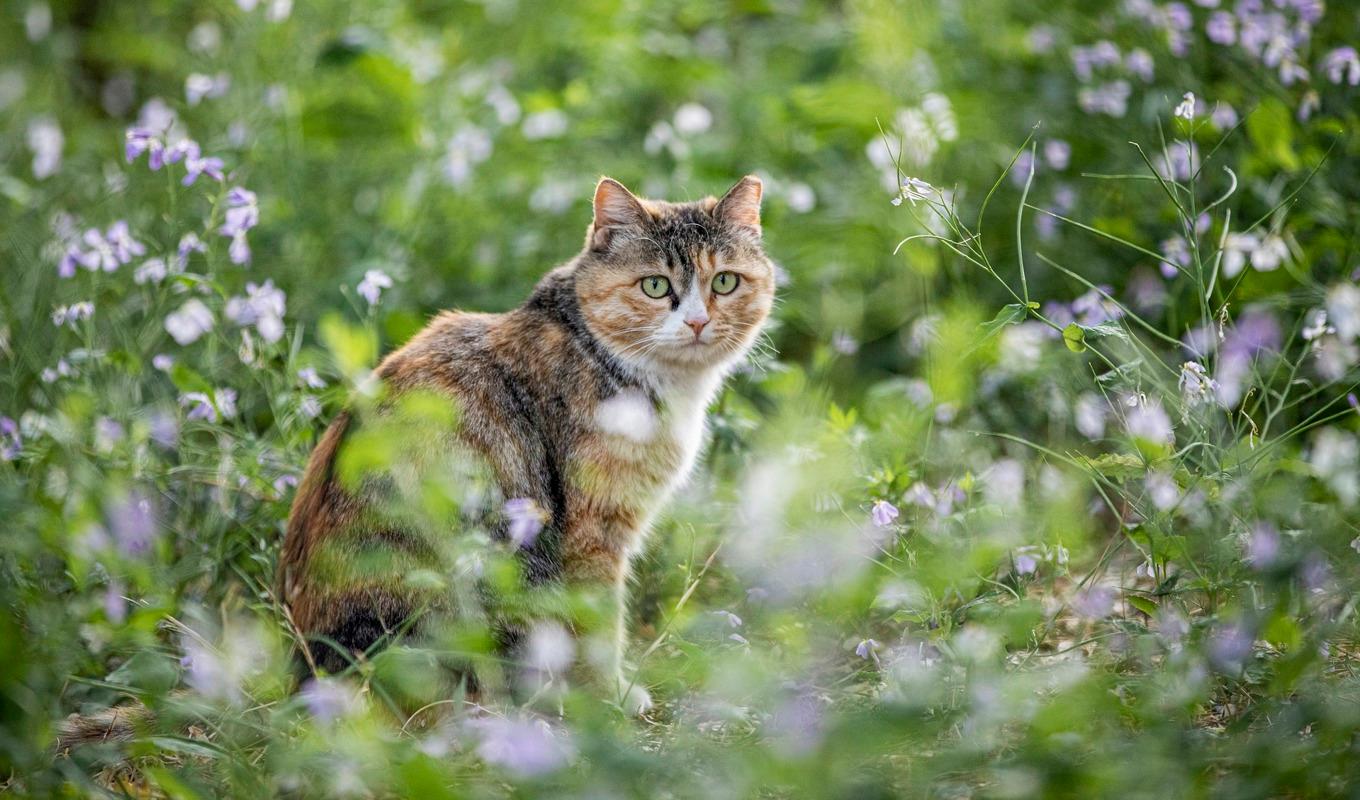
(741, 205)
(615, 207)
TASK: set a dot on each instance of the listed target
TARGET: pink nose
(697, 325)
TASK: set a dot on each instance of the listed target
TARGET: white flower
(1186, 110)
(1196, 386)
(692, 118)
(548, 124)
(1162, 491)
(1150, 422)
(1343, 310)
(192, 320)
(46, 141)
(370, 288)
(1270, 254)
(1236, 248)
(263, 306)
(914, 189)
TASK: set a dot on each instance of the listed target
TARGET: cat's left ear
(614, 207)
(741, 205)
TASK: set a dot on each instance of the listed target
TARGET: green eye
(656, 286)
(725, 282)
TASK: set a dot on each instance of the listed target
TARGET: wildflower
(188, 243)
(1180, 162)
(119, 240)
(1094, 601)
(1088, 414)
(1230, 646)
(370, 288)
(10, 440)
(162, 362)
(1221, 28)
(243, 213)
(1139, 62)
(728, 617)
(132, 520)
(692, 118)
(199, 86)
(1270, 254)
(844, 343)
(1057, 153)
(1195, 384)
(800, 197)
(1343, 311)
(468, 147)
(153, 270)
(263, 307)
(195, 164)
(309, 407)
(328, 699)
(1110, 99)
(1148, 421)
(550, 648)
(1263, 545)
(883, 513)
(70, 315)
(1223, 117)
(526, 521)
(144, 140)
(1237, 247)
(310, 378)
(867, 648)
(914, 189)
(1342, 64)
(548, 124)
(189, 323)
(1025, 563)
(1162, 490)
(221, 405)
(45, 140)
(115, 606)
(524, 746)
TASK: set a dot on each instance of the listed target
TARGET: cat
(587, 405)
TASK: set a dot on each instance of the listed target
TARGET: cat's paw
(635, 700)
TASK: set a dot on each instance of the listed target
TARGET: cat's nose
(697, 325)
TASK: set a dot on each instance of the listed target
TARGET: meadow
(1044, 480)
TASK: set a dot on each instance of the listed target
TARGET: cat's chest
(638, 449)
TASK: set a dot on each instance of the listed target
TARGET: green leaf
(1118, 466)
(1074, 336)
(1011, 314)
(1143, 604)
(186, 380)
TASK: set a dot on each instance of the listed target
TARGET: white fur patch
(629, 414)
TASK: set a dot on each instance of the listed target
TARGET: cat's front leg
(599, 576)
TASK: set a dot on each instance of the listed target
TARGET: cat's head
(675, 286)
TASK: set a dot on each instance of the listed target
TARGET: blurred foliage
(971, 525)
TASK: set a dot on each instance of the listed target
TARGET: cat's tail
(117, 724)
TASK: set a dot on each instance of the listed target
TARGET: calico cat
(587, 405)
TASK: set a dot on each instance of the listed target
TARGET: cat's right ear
(615, 207)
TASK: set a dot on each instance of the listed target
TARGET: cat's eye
(656, 286)
(725, 282)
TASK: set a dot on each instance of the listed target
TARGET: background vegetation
(1055, 500)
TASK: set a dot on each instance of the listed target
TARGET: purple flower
(728, 617)
(524, 746)
(1025, 564)
(120, 242)
(525, 520)
(141, 140)
(133, 522)
(263, 307)
(1263, 545)
(1342, 64)
(196, 164)
(1221, 28)
(243, 213)
(883, 513)
(797, 726)
(1230, 646)
(10, 440)
(1057, 153)
(867, 648)
(1110, 99)
(222, 405)
(1094, 601)
(327, 699)
(370, 288)
(1139, 63)
(115, 606)
(189, 243)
